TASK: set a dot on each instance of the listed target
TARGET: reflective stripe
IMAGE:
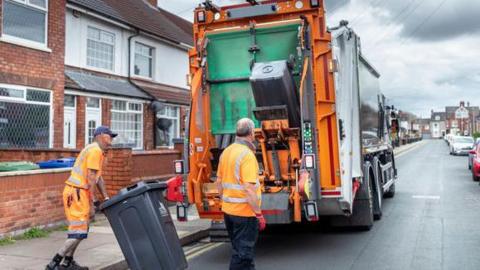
(77, 223)
(75, 181)
(234, 200)
(232, 186)
(238, 163)
(77, 170)
(77, 232)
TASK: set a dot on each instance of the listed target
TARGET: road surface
(433, 222)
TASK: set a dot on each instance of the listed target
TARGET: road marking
(427, 197)
(200, 251)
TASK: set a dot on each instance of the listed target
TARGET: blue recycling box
(57, 163)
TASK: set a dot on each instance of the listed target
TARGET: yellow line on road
(206, 248)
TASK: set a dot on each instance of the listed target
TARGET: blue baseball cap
(104, 130)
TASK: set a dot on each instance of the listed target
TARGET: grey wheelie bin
(144, 229)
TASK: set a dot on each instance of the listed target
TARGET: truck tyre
(377, 189)
(475, 179)
(391, 191)
(362, 216)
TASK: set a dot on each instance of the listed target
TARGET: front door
(93, 118)
(69, 122)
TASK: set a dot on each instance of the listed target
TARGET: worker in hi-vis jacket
(239, 187)
(79, 197)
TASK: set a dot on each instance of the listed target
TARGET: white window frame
(26, 42)
(178, 118)
(101, 29)
(74, 109)
(127, 110)
(24, 100)
(134, 54)
(92, 109)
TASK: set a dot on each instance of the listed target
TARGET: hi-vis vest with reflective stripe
(238, 165)
(78, 176)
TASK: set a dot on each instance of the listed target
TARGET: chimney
(462, 103)
(153, 3)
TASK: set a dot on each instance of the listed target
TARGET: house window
(25, 117)
(91, 129)
(26, 20)
(100, 48)
(143, 60)
(168, 125)
(127, 121)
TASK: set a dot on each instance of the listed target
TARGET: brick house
(78, 64)
(437, 124)
(32, 54)
(120, 57)
(462, 126)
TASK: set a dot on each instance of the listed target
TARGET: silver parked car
(461, 145)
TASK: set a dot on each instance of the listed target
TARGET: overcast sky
(427, 51)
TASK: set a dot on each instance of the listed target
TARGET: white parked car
(461, 145)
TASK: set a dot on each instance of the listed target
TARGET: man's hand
(261, 222)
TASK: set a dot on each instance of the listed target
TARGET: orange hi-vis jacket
(238, 165)
(91, 157)
(77, 196)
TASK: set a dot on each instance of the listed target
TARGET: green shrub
(34, 233)
(7, 241)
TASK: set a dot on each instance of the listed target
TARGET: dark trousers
(243, 233)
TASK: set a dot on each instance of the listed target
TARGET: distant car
(461, 145)
(476, 163)
(471, 154)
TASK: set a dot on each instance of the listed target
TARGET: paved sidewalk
(407, 147)
(100, 251)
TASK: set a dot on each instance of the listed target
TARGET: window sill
(137, 77)
(101, 70)
(25, 43)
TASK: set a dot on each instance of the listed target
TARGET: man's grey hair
(245, 127)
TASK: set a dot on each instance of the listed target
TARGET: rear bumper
(476, 169)
(463, 152)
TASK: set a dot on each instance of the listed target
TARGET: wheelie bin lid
(17, 166)
(133, 191)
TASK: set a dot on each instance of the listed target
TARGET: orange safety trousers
(76, 203)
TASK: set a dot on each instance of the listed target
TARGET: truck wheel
(377, 195)
(391, 191)
(475, 179)
(362, 216)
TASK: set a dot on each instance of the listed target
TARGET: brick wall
(36, 199)
(153, 164)
(106, 112)
(81, 101)
(30, 200)
(148, 128)
(117, 169)
(35, 155)
(29, 67)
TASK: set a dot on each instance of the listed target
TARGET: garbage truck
(321, 130)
